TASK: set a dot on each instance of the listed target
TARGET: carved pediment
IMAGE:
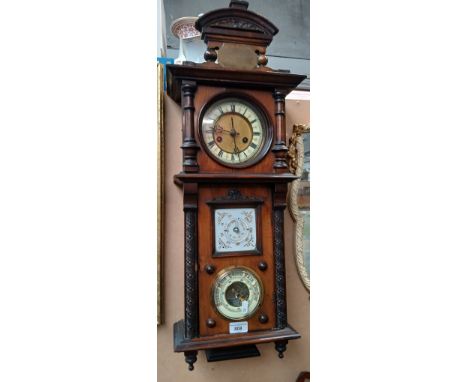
(233, 196)
(239, 27)
(236, 23)
(226, 23)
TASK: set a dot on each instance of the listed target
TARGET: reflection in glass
(236, 293)
(303, 201)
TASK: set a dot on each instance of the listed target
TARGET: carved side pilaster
(280, 278)
(280, 149)
(189, 144)
(191, 259)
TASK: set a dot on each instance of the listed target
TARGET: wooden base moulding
(190, 347)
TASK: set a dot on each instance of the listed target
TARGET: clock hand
(236, 149)
(233, 135)
(233, 130)
(219, 128)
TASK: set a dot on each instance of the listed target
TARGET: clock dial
(235, 229)
(237, 293)
(234, 131)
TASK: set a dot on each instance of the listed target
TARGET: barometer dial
(237, 293)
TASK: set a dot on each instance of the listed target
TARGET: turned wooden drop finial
(280, 347)
(190, 358)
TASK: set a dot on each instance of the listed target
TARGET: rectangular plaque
(238, 327)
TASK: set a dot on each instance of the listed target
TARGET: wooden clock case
(207, 184)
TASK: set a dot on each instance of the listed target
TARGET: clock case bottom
(233, 352)
(230, 346)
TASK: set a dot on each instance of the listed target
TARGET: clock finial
(239, 4)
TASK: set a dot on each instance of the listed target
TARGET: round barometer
(237, 292)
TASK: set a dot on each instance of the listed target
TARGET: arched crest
(239, 27)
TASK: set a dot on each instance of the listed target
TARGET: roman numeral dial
(234, 132)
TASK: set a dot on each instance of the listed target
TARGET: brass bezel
(221, 274)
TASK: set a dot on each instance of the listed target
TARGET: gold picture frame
(160, 194)
(299, 201)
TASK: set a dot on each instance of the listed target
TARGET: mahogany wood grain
(182, 344)
(236, 24)
(224, 178)
(205, 257)
(218, 77)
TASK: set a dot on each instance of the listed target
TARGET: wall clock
(234, 179)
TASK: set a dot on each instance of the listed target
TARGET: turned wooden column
(189, 145)
(279, 148)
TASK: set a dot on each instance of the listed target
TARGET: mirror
(299, 198)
